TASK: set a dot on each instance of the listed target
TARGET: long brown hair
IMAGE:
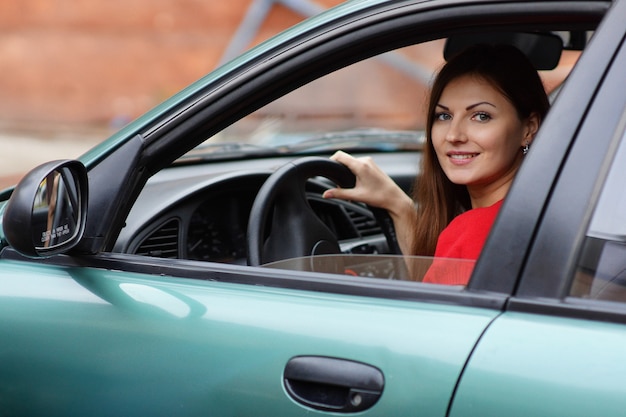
(507, 69)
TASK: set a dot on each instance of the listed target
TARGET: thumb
(340, 193)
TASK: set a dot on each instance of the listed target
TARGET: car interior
(200, 208)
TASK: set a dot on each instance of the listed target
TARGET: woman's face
(478, 136)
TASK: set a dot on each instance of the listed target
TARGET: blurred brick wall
(90, 61)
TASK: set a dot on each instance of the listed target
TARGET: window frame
(228, 97)
(551, 263)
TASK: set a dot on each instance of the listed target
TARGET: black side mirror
(47, 211)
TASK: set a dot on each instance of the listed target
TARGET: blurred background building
(73, 71)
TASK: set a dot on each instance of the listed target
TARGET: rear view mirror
(542, 49)
(47, 210)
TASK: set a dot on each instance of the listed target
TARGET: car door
(102, 333)
(97, 341)
(559, 347)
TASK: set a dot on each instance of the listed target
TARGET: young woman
(486, 105)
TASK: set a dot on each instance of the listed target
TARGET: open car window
(373, 107)
(378, 104)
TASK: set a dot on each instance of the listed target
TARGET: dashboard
(201, 212)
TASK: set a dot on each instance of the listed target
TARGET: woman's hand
(376, 188)
(373, 186)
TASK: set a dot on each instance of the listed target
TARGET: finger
(345, 158)
(360, 167)
(338, 155)
(340, 193)
(329, 193)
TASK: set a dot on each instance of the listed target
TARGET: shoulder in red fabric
(464, 238)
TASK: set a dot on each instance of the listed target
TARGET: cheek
(506, 151)
(437, 135)
(499, 139)
(440, 152)
(514, 139)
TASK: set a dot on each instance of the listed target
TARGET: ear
(531, 126)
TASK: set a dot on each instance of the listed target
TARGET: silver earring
(525, 149)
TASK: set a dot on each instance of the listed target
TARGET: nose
(455, 132)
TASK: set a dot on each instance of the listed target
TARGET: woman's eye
(442, 117)
(482, 117)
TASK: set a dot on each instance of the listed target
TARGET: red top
(463, 238)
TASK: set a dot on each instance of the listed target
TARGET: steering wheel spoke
(296, 230)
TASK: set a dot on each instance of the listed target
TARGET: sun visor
(543, 49)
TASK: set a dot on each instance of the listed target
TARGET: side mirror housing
(46, 213)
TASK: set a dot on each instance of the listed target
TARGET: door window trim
(274, 278)
(550, 269)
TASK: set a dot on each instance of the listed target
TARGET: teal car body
(178, 347)
(108, 321)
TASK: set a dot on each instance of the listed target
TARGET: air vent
(364, 224)
(162, 243)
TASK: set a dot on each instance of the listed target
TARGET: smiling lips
(461, 158)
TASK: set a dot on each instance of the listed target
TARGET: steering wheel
(296, 230)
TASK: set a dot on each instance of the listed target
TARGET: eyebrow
(468, 107)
